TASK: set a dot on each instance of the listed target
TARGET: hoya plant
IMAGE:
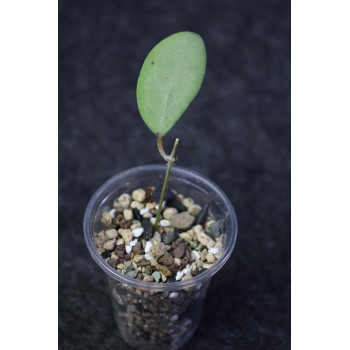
(169, 80)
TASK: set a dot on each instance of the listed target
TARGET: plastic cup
(153, 315)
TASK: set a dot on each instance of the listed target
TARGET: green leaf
(170, 78)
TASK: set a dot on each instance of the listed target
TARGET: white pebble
(196, 254)
(128, 249)
(144, 211)
(147, 256)
(157, 206)
(173, 295)
(137, 232)
(112, 213)
(179, 275)
(213, 250)
(186, 270)
(153, 220)
(164, 223)
(148, 246)
(133, 243)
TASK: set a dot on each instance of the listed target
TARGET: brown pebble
(127, 257)
(177, 242)
(113, 262)
(138, 248)
(179, 251)
(144, 263)
(186, 259)
(121, 260)
(120, 247)
(118, 218)
(148, 270)
(173, 268)
(120, 253)
(195, 272)
(140, 276)
(167, 259)
(149, 191)
(125, 224)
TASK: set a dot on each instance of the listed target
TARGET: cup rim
(97, 199)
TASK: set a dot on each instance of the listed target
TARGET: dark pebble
(127, 257)
(167, 197)
(139, 306)
(179, 251)
(120, 247)
(106, 254)
(169, 237)
(202, 270)
(202, 215)
(137, 214)
(148, 228)
(171, 280)
(139, 277)
(176, 204)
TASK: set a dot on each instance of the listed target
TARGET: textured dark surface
(236, 132)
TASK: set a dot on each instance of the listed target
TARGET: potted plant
(161, 233)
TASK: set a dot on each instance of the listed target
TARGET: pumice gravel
(187, 240)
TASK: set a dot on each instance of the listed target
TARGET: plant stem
(170, 161)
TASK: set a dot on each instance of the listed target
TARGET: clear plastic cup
(159, 315)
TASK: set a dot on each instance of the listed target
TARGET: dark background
(236, 132)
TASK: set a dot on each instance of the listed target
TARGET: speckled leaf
(170, 78)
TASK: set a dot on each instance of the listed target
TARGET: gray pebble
(169, 237)
(217, 228)
(132, 274)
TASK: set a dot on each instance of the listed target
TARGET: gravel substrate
(187, 241)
